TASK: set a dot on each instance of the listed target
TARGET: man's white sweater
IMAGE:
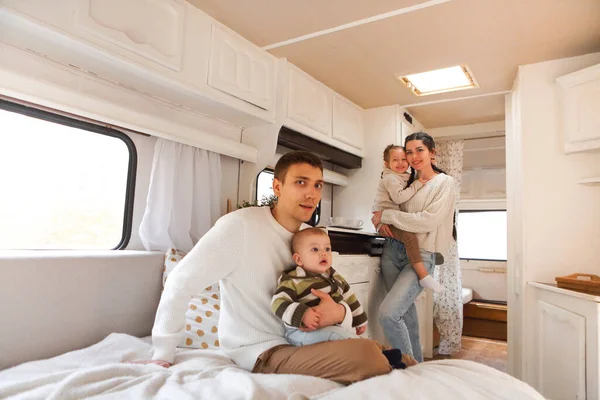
(429, 214)
(246, 251)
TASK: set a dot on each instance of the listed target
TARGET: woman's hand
(376, 218)
(385, 231)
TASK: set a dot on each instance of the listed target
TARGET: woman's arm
(397, 190)
(428, 219)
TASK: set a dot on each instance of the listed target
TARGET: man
(246, 251)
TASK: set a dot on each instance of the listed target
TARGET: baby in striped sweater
(293, 301)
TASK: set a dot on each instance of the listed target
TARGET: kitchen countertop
(553, 288)
(354, 232)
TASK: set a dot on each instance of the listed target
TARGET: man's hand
(310, 319)
(331, 313)
(361, 329)
(384, 230)
(157, 362)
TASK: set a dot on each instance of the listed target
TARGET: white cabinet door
(239, 68)
(309, 101)
(361, 290)
(354, 268)
(153, 29)
(347, 122)
(561, 358)
(580, 102)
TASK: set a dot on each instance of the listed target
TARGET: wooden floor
(485, 351)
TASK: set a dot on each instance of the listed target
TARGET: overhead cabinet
(165, 49)
(151, 29)
(241, 69)
(580, 102)
(315, 110)
(347, 122)
(309, 101)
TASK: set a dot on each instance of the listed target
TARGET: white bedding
(98, 372)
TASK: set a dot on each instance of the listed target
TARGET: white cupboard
(563, 343)
(356, 270)
(580, 102)
(239, 68)
(316, 111)
(151, 29)
(347, 122)
(309, 102)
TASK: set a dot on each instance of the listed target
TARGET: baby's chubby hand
(310, 319)
(361, 329)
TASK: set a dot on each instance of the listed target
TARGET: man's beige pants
(342, 361)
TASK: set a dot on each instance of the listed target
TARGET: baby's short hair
(305, 233)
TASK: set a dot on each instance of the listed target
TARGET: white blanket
(98, 372)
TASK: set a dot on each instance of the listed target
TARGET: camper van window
(482, 235)
(67, 184)
(264, 190)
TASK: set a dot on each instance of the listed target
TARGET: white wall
(356, 199)
(554, 223)
(558, 213)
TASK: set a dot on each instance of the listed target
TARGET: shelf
(590, 181)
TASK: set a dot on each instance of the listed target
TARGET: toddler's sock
(429, 282)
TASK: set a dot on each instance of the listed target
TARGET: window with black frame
(67, 184)
(482, 235)
(264, 192)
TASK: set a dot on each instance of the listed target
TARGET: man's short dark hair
(293, 158)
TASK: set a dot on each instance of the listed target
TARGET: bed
(99, 372)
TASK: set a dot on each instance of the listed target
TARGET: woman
(429, 214)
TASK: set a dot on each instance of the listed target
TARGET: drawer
(355, 269)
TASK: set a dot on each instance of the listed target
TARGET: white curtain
(183, 198)
(447, 306)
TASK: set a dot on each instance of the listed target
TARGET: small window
(482, 235)
(67, 184)
(264, 189)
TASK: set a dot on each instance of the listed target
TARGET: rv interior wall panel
(58, 301)
(556, 218)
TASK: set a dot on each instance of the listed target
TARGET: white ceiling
(492, 37)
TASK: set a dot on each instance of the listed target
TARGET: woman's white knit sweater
(246, 251)
(429, 214)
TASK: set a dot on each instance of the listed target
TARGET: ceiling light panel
(442, 80)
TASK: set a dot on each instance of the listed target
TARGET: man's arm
(359, 316)
(330, 312)
(215, 255)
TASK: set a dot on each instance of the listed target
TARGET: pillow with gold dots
(202, 315)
